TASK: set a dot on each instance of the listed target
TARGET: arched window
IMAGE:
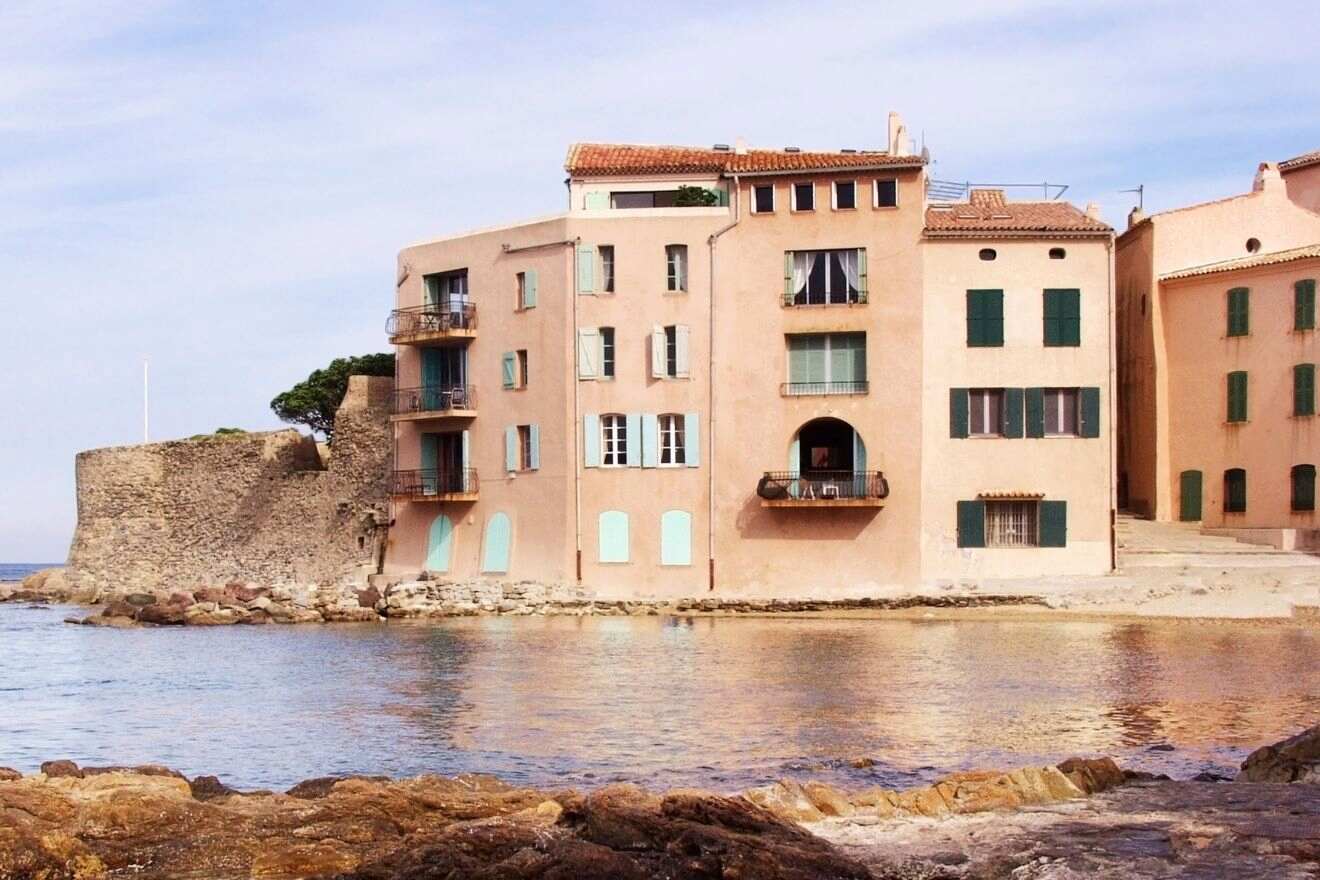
(495, 551)
(988, 254)
(1303, 487)
(676, 537)
(1235, 490)
(613, 536)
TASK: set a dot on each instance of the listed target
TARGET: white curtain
(848, 260)
(803, 263)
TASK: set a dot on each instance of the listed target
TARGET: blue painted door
(440, 542)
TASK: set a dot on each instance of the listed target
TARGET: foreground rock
(1296, 759)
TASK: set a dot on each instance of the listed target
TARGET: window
(985, 412)
(1237, 396)
(1235, 490)
(676, 267)
(607, 352)
(1012, 523)
(669, 352)
(845, 195)
(655, 199)
(527, 289)
(1239, 311)
(1304, 305)
(886, 193)
(446, 288)
(763, 198)
(826, 363)
(804, 197)
(1062, 412)
(522, 367)
(813, 278)
(1304, 390)
(1057, 253)
(987, 254)
(525, 448)
(1253, 245)
(614, 440)
(1303, 487)
(671, 440)
(1063, 318)
(985, 318)
(607, 268)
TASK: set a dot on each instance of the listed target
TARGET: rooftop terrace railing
(431, 319)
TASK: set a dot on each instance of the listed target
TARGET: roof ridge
(1251, 261)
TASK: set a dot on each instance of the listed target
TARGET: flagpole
(146, 400)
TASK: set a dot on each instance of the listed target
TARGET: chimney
(1135, 216)
(740, 146)
(1268, 178)
(898, 138)
(1093, 211)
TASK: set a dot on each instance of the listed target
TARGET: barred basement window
(1012, 523)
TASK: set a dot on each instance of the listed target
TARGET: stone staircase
(1146, 543)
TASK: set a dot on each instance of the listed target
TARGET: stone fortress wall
(237, 507)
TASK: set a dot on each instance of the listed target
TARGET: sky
(222, 187)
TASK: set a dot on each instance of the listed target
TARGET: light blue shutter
(650, 438)
(794, 466)
(467, 459)
(596, 201)
(692, 439)
(613, 536)
(859, 466)
(591, 440)
(536, 447)
(586, 268)
(511, 448)
(633, 442)
(439, 542)
(676, 537)
(529, 289)
(510, 368)
(495, 553)
(861, 275)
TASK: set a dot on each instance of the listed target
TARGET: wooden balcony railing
(433, 399)
(823, 489)
(431, 321)
(436, 484)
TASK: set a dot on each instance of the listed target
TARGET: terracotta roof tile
(988, 213)
(1302, 161)
(1252, 262)
(599, 160)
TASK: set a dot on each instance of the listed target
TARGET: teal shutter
(1303, 487)
(985, 318)
(676, 537)
(789, 292)
(1304, 390)
(586, 268)
(632, 441)
(971, 523)
(1239, 311)
(509, 364)
(723, 196)
(495, 553)
(536, 447)
(511, 448)
(650, 440)
(430, 462)
(529, 289)
(1304, 305)
(1053, 524)
(1063, 317)
(862, 284)
(439, 541)
(613, 536)
(591, 440)
(1237, 396)
(1035, 411)
(1012, 426)
(692, 440)
(958, 412)
(1090, 415)
(431, 368)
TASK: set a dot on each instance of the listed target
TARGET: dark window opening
(671, 350)
(988, 254)
(656, 199)
(804, 197)
(825, 445)
(1235, 490)
(763, 199)
(821, 277)
(886, 193)
(1253, 245)
(845, 195)
(1057, 253)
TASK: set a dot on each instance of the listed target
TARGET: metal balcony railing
(431, 482)
(433, 318)
(808, 389)
(433, 399)
(802, 298)
(822, 486)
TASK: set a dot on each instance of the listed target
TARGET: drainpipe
(710, 373)
(1113, 412)
(577, 416)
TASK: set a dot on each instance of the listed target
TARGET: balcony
(458, 484)
(432, 324)
(433, 402)
(802, 299)
(820, 389)
(823, 489)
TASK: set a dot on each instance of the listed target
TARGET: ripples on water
(723, 703)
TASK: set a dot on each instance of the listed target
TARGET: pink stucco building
(1216, 325)
(760, 372)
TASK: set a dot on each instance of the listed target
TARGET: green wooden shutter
(1304, 305)
(975, 330)
(985, 318)
(590, 440)
(971, 523)
(675, 537)
(1239, 311)
(1303, 487)
(511, 448)
(1237, 396)
(1012, 426)
(529, 289)
(1063, 317)
(1090, 412)
(692, 439)
(862, 284)
(509, 363)
(789, 292)
(1189, 496)
(1304, 390)
(535, 463)
(1035, 412)
(1053, 524)
(958, 412)
(586, 269)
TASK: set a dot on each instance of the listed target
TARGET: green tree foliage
(313, 401)
(695, 197)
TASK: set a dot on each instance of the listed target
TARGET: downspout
(710, 374)
(1113, 414)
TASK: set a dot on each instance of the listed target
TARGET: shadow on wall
(755, 522)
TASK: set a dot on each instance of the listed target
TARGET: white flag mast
(146, 401)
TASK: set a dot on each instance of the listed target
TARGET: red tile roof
(1302, 161)
(987, 214)
(602, 160)
(1254, 261)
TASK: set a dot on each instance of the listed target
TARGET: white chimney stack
(740, 146)
(898, 137)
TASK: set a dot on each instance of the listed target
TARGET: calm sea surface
(724, 703)
(16, 571)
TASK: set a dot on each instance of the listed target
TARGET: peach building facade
(1217, 358)
(753, 391)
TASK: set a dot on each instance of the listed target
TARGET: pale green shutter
(596, 201)
(588, 352)
(510, 368)
(692, 440)
(439, 541)
(676, 537)
(511, 448)
(650, 440)
(586, 268)
(529, 289)
(495, 553)
(840, 357)
(682, 356)
(535, 463)
(789, 293)
(591, 440)
(613, 536)
(632, 443)
(862, 284)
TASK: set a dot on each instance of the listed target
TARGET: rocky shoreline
(1081, 818)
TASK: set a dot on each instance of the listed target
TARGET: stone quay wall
(258, 507)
